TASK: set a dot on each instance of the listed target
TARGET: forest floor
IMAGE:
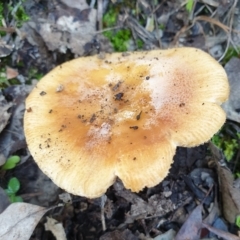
(200, 197)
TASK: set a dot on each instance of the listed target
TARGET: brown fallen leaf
(191, 229)
(232, 106)
(220, 233)
(12, 137)
(230, 195)
(18, 221)
(65, 27)
(4, 114)
(11, 72)
(157, 205)
(5, 48)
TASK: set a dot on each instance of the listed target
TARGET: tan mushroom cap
(90, 120)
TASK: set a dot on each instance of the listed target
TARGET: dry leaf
(11, 72)
(4, 114)
(232, 106)
(5, 48)
(4, 203)
(80, 4)
(56, 228)
(220, 233)
(66, 27)
(19, 220)
(2, 159)
(12, 137)
(191, 229)
(156, 205)
(223, 7)
(230, 195)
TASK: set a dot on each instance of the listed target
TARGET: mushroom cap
(91, 120)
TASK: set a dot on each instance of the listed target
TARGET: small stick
(100, 14)
(103, 201)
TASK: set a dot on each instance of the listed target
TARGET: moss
(161, 26)
(120, 37)
(140, 43)
(2, 33)
(110, 18)
(1, 13)
(34, 73)
(227, 144)
(17, 13)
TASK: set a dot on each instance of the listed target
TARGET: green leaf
(11, 197)
(13, 185)
(15, 198)
(11, 162)
(238, 221)
(189, 5)
(8, 192)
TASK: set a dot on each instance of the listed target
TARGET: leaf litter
(232, 106)
(52, 34)
(5, 113)
(12, 137)
(19, 220)
(229, 194)
(56, 228)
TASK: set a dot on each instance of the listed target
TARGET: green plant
(118, 38)
(228, 145)
(140, 43)
(3, 79)
(1, 13)
(231, 52)
(4, 82)
(11, 163)
(189, 5)
(237, 222)
(33, 73)
(110, 18)
(18, 13)
(162, 26)
(13, 187)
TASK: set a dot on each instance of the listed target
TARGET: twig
(157, 31)
(100, 14)
(103, 201)
(230, 30)
(108, 29)
(7, 29)
(92, 3)
(220, 233)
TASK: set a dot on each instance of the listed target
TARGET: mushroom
(91, 120)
